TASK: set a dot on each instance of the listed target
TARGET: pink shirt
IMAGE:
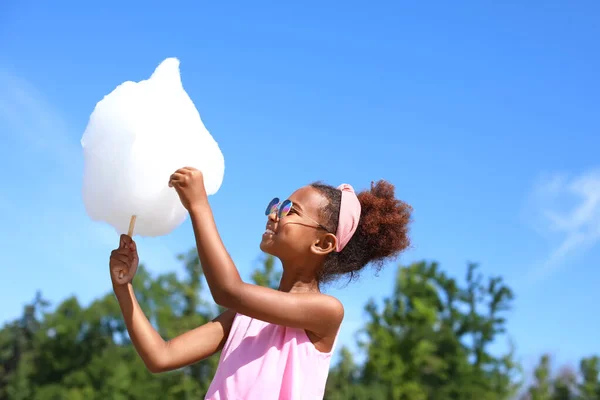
(263, 361)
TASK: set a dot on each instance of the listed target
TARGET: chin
(265, 246)
(268, 246)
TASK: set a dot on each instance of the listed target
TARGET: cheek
(295, 236)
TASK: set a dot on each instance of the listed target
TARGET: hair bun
(382, 231)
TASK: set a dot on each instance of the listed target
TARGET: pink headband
(349, 216)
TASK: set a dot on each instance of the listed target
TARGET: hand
(189, 184)
(123, 262)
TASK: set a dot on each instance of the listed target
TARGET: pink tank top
(263, 361)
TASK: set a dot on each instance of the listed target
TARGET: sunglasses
(283, 209)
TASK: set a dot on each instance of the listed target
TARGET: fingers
(122, 276)
(180, 176)
(124, 261)
(126, 251)
(176, 179)
(120, 269)
(126, 242)
(125, 257)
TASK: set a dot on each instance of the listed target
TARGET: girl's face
(294, 229)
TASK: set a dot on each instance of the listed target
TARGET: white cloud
(41, 154)
(567, 209)
(31, 119)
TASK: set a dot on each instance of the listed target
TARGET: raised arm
(315, 312)
(160, 355)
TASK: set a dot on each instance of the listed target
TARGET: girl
(276, 344)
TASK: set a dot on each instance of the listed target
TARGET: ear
(324, 245)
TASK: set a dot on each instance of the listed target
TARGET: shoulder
(325, 302)
(331, 315)
(332, 309)
(334, 306)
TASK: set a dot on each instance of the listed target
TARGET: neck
(298, 279)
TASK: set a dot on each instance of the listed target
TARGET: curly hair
(382, 232)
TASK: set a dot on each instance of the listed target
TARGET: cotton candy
(136, 137)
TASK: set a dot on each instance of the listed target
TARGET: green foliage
(77, 352)
(430, 340)
(266, 274)
(566, 384)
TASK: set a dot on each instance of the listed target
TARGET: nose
(273, 216)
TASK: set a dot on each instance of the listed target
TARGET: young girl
(276, 344)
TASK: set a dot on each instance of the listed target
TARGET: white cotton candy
(137, 136)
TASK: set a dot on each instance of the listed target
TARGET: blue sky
(484, 115)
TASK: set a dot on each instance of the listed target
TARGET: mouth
(268, 232)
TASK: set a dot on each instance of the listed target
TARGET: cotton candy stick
(131, 226)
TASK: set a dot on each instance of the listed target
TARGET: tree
(431, 339)
(265, 274)
(77, 352)
(590, 372)
(16, 346)
(542, 389)
(567, 384)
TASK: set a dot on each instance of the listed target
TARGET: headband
(349, 216)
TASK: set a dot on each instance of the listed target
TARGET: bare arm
(160, 355)
(315, 312)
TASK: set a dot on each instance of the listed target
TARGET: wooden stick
(130, 234)
(131, 225)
